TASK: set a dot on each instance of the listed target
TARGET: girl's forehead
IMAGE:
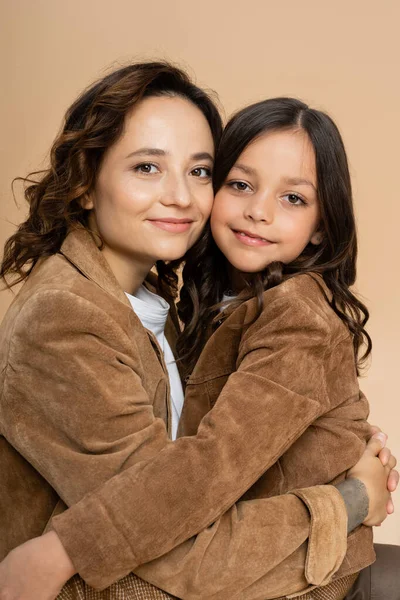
(280, 151)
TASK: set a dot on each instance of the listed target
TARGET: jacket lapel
(80, 248)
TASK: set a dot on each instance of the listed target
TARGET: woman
(74, 302)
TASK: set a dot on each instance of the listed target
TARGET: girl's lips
(172, 225)
(248, 240)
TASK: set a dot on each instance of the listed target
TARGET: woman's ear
(87, 202)
(317, 238)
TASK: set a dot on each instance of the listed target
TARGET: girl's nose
(260, 209)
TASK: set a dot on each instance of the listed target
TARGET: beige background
(341, 56)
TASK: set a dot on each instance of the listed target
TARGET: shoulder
(303, 290)
(307, 288)
(306, 285)
(302, 304)
(57, 296)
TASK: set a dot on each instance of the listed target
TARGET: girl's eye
(202, 172)
(294, 199)
(239, 186)
(146, 168)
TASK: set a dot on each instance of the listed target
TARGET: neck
(129, 273)
(238, 279)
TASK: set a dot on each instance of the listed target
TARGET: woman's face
(267, 210)
(153, 194)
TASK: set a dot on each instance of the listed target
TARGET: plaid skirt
(132, 587)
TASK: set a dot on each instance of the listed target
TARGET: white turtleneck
(152, 311)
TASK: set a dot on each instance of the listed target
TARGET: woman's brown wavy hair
(92, 124)
(206, 273)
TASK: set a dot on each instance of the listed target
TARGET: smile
(172, 225)
(250, 239)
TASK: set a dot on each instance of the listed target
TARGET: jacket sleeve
(149, 509)
(255, 550)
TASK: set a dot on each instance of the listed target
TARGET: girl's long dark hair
(206, 273)
(92, 124)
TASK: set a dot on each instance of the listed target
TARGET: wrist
(65, 566)
(355, 497)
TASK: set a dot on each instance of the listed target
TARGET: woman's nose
(177, 192)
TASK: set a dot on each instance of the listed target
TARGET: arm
(27, 571)
(232, 559)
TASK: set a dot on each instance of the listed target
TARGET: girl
(133, 166)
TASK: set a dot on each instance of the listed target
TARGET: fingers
(374, 429)
(376, 443)
(387, 458)
(384, 456)
(390, 506)
(393, 480)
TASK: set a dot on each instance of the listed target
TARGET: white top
(227, 298)
(153, 310)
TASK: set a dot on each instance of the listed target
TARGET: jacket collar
(80, 248)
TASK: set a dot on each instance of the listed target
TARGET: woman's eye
(240, 186)
(294, 199)
(146, 168)
(202, 172)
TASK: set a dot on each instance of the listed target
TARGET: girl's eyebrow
(299, 181)
(288, 180)
(244, 168)
(160, 152)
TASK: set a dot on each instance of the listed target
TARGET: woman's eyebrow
(160, 152)
(148, 152)
(202, 156)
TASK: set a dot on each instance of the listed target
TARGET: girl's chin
(247, 266)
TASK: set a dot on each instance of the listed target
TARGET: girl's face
(267, 210)
(153, 194)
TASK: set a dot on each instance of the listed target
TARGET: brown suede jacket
(85, 396)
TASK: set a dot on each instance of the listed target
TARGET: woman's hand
(393, 479)
(36, 570)
(376, 471)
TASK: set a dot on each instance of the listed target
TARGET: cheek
(135, 196)
(216, 219)
(297, 228)
(205, 201)
(224, 209)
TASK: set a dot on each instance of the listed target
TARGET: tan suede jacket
(85, 396)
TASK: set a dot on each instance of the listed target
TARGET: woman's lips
(172, 225)
(250, 239)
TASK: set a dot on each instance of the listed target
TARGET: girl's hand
(36, 570)
(376, 471)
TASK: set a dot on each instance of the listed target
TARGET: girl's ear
(317, 238)
(87, 202)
